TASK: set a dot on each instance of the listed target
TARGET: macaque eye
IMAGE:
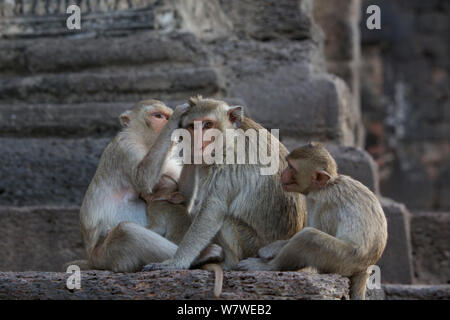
(190, 126)
(208, 124)
(159, 115)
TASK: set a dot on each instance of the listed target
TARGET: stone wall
(61, 90)
(405, 100)
(15, 8)
(293, 64)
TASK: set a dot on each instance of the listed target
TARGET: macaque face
(157, 119)
(296, 177)
(201, 127)
(288, 178)
(207, 124)
(300, 176)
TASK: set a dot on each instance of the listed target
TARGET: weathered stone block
(396, 261)
(181, 284)
(39, 238)
(297, 101)
(110, 86)
(430, 237)
(61, 120)
(443, 188)
(358, 164)
(28, 56)
(47, 171)
(340, 28)
(271, 19)
(69, 120)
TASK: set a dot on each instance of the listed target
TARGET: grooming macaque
(113, 217)
(235, 206)
(346, 228)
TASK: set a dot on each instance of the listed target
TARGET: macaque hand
(253, 264)
(179, 111)
(166, 265)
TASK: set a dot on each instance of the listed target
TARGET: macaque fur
(346, 228)
(235, 206)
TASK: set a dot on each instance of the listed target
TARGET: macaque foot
(166, 265)
(271, 250)
(253, 264)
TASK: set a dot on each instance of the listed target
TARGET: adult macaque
(113, 217)
(346, 228)
(236, 206)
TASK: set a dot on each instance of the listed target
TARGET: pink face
(206, 124)
(288, 179)
(158, 119)
(299, 178)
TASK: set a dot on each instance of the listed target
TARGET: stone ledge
(180, 284)
(416, 292)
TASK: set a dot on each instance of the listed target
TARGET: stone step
(39, 238)
(56, 55)
(111, 86)
(38, 171)
(192, 284)
(61, 120)
(49, 19)
(69, 120)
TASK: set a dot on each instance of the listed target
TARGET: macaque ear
(124, 119)
(176, 198)
(321, 178)
(235, 115)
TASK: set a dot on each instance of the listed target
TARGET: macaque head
(146, 114)
(207, 114)
(310, 168)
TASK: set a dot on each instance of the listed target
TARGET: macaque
(113, 215)
(346, 228)
(235, 205)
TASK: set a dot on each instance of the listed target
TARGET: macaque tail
(218, 274)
